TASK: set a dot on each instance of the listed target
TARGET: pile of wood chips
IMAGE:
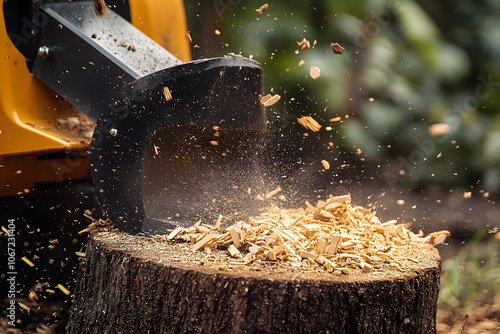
(333, 234)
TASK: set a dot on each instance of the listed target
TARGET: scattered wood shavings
(309, 123)
(335, 235)
(262, 8)
(304, 45)
(315, 72)
(337, 49)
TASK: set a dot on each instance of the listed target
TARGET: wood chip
(27, 261)
(307, 255)
(439, 129)
(315, 72)
(63, 289)
(309, 123)
(218, 222)
(167, 93)
(289, 249)
(217, 32)
(333, 245)
(326, 164)
(301, 62)
(366, 267)
(234, 251)
(335, 119)
(321, 246)
(269, 101)
(100, 8)
(206, 239)
(262, 8)
(273, 192)
(175, 232)
(272, 254)
(265, 98)
(337, 49)
(304, 45)
(235, 238)
(24, 307)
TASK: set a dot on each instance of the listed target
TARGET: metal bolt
(113, 132)
(43, 51)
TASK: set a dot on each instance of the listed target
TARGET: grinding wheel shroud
(131, 284)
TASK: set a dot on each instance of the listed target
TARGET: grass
(472, 278)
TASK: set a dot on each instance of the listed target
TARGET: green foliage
(473, 275)
(407, 65)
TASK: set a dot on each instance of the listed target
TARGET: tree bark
(126, 287)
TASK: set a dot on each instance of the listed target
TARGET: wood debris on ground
(309, 123)
(334, 234)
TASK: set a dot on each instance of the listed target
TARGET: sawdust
(333, 236)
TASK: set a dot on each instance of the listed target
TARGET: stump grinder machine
(175, 140)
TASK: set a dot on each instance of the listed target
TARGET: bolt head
(43, 51)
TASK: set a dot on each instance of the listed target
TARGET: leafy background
(407, 65)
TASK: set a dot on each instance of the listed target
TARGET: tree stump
(130, 284)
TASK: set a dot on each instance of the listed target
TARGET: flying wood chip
(269, 100)
(262, 8)
(100, 8)
(337, 49)
(326, 165)
(315, 72)
(309, 123)
(304, 45)
(439, 129)
(167, 93)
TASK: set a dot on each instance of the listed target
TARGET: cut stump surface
(133, 284)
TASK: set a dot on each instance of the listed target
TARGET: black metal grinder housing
(174, 143)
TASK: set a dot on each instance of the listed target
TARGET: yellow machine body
(35, 144)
